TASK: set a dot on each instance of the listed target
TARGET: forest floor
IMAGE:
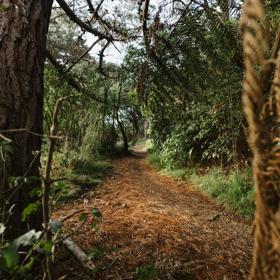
(154, 224)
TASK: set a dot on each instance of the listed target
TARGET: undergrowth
(80, 175)
(233, 189)
(143, 143)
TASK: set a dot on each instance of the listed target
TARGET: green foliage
(146, 145)
(32, 208)
(63, 191)
(18, 257)
(89, 167)
(174, 150)
(96, 213)
(192, 92)
(98, 140)
(154, 159)
(97, 253)
(148, 272)
(234, 190)
(82, 175)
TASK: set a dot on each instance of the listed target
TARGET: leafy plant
(148, 272)
(97, 253)
(18, 256)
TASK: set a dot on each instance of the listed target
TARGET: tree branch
(82, 56)
(70, 80)
(82, 24)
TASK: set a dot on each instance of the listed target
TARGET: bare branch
(5, 138)
(82, 24)
(101, 56)
(82, 56)
(25, 130)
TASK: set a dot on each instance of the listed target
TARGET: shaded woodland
(139, 139)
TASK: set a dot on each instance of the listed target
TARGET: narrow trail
(151, 219)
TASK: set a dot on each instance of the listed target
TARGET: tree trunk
(23, 30)
(120, 124)
(125, 141)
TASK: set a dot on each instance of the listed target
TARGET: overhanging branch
(82, 24)
(71, 80)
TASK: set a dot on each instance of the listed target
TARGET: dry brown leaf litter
(151, 219)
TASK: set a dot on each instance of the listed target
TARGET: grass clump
(81, 175)
(90, 167)
(155, 161)
(234, 189)
(148, 272)
(213, 182)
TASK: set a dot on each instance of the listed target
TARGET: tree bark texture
(23, 30)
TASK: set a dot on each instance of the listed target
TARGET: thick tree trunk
(23, 29)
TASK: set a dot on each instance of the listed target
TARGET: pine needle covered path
(150, 221)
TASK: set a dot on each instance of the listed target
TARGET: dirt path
(152, 220)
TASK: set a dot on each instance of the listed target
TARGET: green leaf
(15, 181)
(11, 256)
(29, 265)
(47, 247)
(83, 217)
(148, 272)
(96, 213)
(32, 179)
(29, 210)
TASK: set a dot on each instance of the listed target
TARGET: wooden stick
(79, 254)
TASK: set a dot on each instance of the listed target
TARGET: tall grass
(234, 190)
(154, 160)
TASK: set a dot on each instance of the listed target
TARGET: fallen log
(80, 255)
